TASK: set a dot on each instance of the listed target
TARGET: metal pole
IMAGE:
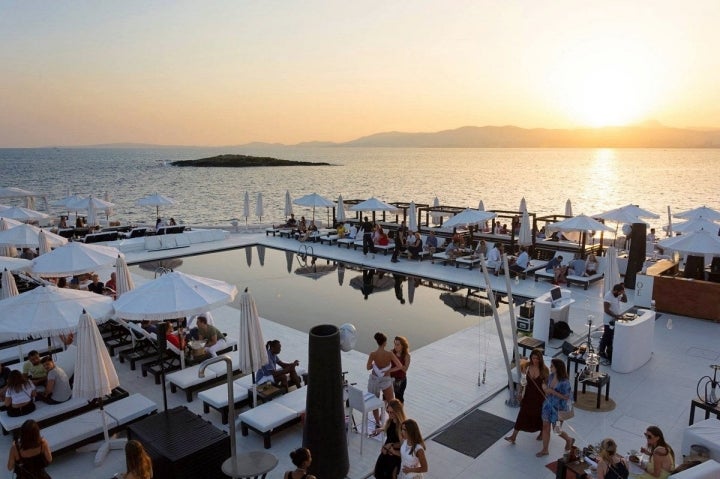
(231, 398)
(513, 401)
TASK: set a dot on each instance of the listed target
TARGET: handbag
(567, 413)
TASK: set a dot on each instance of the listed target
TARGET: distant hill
(243, 161)
(649, 135)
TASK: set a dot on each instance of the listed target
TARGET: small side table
(708, 408)
(577, 360)
(530, 343)
(603, 379)
(250, 465)
(265, 392)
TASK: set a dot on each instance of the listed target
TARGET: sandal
(509, 439)
(542, 453)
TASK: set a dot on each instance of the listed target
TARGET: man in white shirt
(611, 305)
(521, 263)
(494, 259)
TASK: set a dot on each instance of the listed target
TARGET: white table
(634, 341)
(544, 311)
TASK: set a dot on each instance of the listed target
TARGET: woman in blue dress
(557, 394)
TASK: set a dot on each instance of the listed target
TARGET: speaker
(161, 335)
(636, 258)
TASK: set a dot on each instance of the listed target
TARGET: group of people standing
(403, 452)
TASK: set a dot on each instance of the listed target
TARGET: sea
(595, 180)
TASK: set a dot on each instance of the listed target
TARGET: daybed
(586, 281)
(274, 416)
(217, 397)
(550, 275)
(187, 379)
(349, 239)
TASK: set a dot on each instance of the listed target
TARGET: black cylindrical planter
(324, 433)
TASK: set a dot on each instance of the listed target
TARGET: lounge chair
(138, 232)
(217, 397)
(586, 281)
(88, 426)
(550, 275)
(145, 346)
(274, 416)
(350, 238)
(187, 379)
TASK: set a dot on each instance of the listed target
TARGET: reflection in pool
(302, 294)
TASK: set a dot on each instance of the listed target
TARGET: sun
(601, 83)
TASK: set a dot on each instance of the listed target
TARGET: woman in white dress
(412, 451)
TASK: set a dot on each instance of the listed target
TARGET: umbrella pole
(103, 447)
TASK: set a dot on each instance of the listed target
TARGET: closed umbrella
(612, 270)
(259, 208)
(157, 200)
(49, 311)
(412, 217)
(702, 211)
(74, 258)
(92, 219)
(173, 295)
(108, 210)
(252, 344)
(288, 204)
(525, 234)
(340, 214)
(469, 216)
(246, 207)
(669, 229)
(481, 206)
(436, 217)
(43, 243)
(568, 208)
(123, 279)
(313, 201)
(523, 204)
(95, 378)
(8, 287)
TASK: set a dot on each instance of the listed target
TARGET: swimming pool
(301, 295)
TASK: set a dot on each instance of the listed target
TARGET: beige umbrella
(123, 279)
(43, 243)
(95, 378)
(252, 344)
(8, 287)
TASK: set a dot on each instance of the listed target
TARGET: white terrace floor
(443, 382)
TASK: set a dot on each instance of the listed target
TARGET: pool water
(299, 294)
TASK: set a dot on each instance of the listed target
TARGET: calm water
(289, 293)
(594, 179)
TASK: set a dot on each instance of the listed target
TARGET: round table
(253, 464)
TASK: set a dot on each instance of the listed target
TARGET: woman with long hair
(388, 462)
(401, 349)
(302, 459)
(611, 465)
(529, 418)
(137, 461)
(30, 454)
(662, 456)
(412, 451)
(379, 364)
(19, 395)
(557, 394)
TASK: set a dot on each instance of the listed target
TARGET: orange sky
(230, 72)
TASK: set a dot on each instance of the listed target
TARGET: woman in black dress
(388, 462)
(529, 418)
(30, 454)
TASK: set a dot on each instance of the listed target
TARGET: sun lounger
(349, 240)
(187, 379)
(88, 427)
(586, 281)
(358, 243)
(135, 233)
(100, 237)
(442, 257)
(468, 261)
(170, 361)
(550, 275)
(47, 414)
(274, 416)
(145, 346)
(170, 230)
(217, 397)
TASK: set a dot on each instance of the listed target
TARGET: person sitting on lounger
(34, 370)
(19, 395)
(591, 265)
(431, 244)
(481, 248)
(291, 222)
(340, 228)
(555, 265)
(280, 372)
(215, 340)
(57, 388)
(176, 338)
(521, 263)
(494, 258)
(415, 245)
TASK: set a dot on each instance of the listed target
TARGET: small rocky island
(243, 161)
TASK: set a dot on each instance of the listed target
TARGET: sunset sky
(190, 72)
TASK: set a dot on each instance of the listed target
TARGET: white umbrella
(669, 229)
(23, 214)
(89, 203)
(578, 223)
(6, 224)
(14, 264)
(123, 279)
(43, 243)
(67, 201)
(12, 192)
(108, 210)
(92, 219)
(568, 208)
(173, 295)
(699, 242)
(373, 204)
(252, 344)
(8, 287)
(49, 311)
(412, 217)
(246, 207)
(437, 216)
(481, 206)
(702, 211)
(74, 258)
(157, 200)
(625, 214)
(9, 222)
(314, 200)
(525, 234)
(340, 214)
(696, 224)
(28, 236)
(95, 377)
(469, 216)
(288, 204)
(612, 270)
(523, 204)
(259, 209)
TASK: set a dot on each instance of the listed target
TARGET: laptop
(555, 297)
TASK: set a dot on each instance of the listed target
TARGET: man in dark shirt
(96, 286)
(368, 244)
